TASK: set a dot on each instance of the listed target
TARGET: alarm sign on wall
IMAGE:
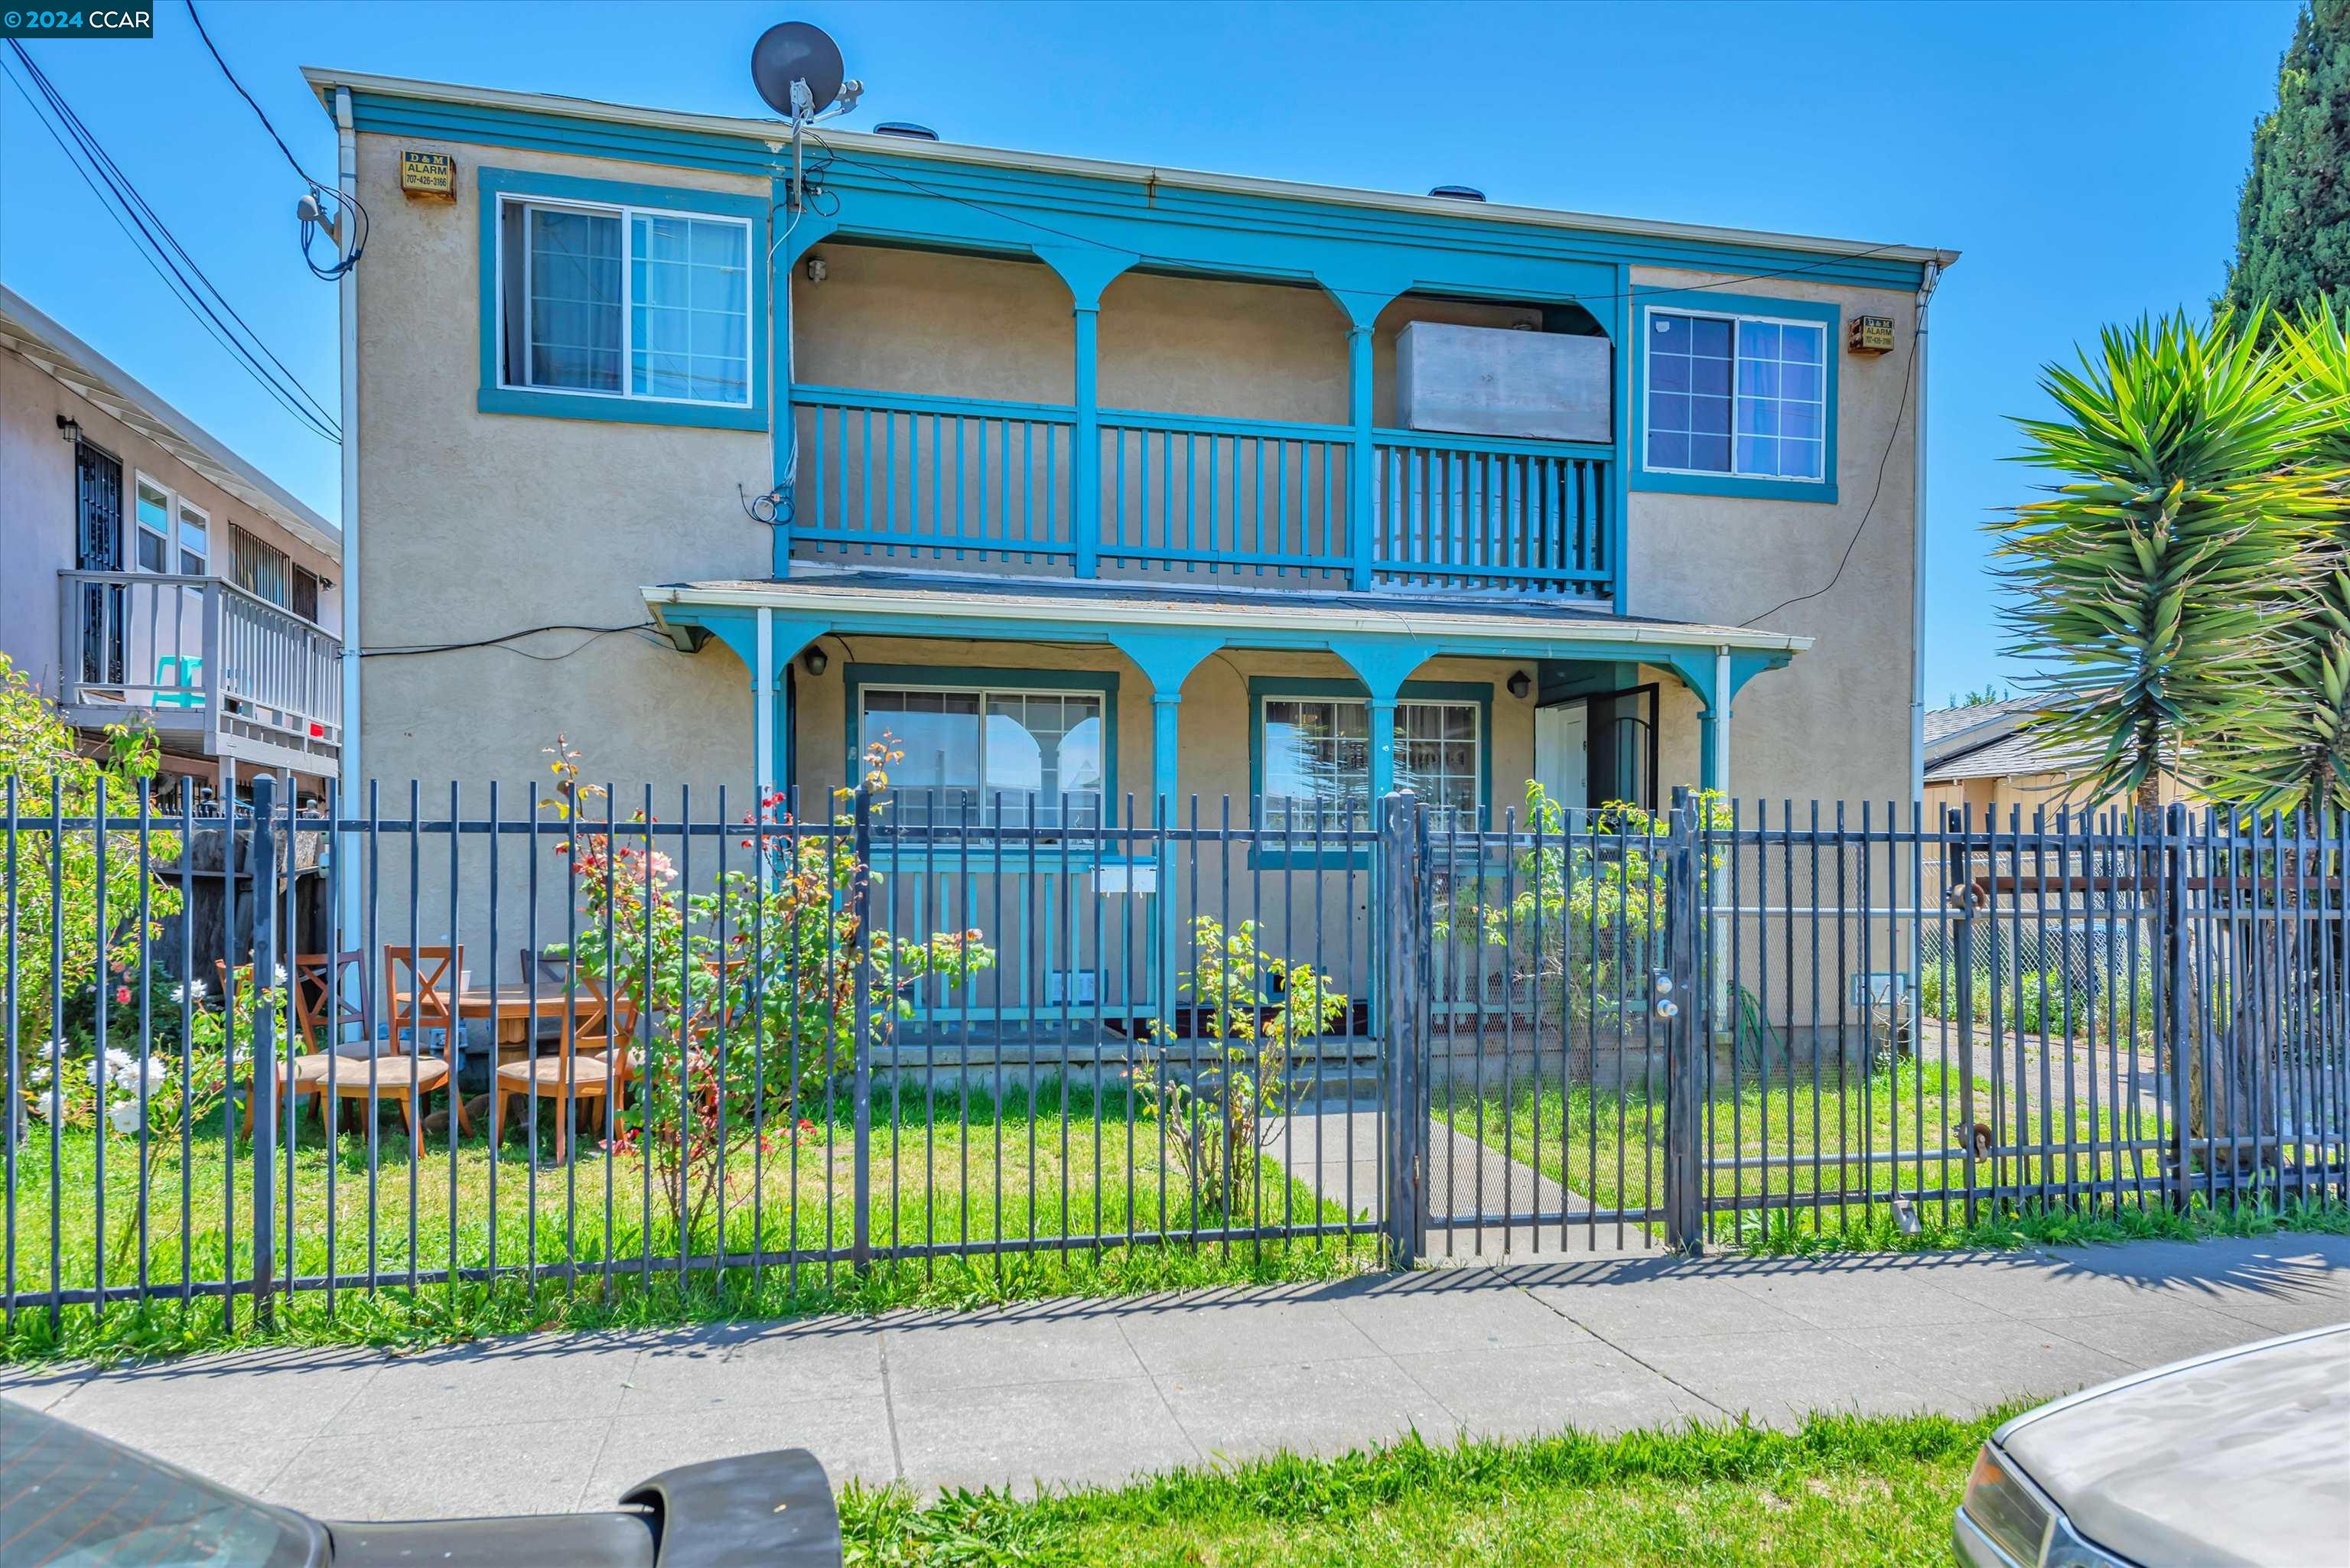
(429, 174)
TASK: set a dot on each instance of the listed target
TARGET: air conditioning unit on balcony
(1500, 381)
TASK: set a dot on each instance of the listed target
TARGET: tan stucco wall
(1835, 724)
(474, 525)
(2024, 796)
(38, 511)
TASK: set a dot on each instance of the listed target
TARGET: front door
(97, 503)
(1563, 754)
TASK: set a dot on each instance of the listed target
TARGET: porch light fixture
(815, 660)
(68, 428)
(1520, 683)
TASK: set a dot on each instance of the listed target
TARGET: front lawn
(948, 1170)
(1850, 1142)
(1843, 1489)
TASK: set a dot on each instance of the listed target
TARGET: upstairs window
(1736, 395)
(619, 302)
(195, 542)
(259, 568)
(154, 528)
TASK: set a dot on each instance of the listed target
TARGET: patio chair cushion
(549, 1073)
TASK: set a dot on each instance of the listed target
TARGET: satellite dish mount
(797, 70)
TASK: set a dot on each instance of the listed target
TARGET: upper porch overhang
(1167, 630)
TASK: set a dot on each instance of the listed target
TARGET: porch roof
(1168, 628)
(1038, 607)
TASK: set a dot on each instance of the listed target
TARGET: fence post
(1684, 1124)
(1958, 869)
(2178, 996)
(264, 1043)
(861, 903)
(1401, 892)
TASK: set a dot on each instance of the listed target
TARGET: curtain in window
(690, 281)
(574, 331)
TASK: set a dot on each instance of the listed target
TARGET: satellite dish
(796, 52)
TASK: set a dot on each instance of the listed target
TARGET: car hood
(2236, 1457)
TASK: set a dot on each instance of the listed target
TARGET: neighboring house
(1982, 758)
(1107, 481)
(149, 574)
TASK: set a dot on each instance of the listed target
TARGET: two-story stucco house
(1115, 481)
(151, 575)
(1097, 489)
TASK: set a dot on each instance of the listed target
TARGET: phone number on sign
(105, 23)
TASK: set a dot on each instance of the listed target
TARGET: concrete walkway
(1096, 1391)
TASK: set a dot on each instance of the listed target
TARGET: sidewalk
(1096, 1390)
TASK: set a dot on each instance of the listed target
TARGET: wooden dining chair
(299, 1076)
(428, 1001)
(329, 1005)
(584, 1067)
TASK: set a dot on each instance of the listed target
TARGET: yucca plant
(2297, 755)
(2139, 586)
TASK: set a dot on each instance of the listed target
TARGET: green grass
(1613, 1148)
(1062, 1167)
(1845, 1489)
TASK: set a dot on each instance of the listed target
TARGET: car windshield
(71, 1500)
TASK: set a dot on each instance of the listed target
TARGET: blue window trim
(490, 184)
(1261, 687)
(969, 678)
(1707, 302)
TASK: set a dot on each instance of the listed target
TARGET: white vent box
(1497, 381)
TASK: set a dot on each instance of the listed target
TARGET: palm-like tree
(2297, 755)
(2139, 586)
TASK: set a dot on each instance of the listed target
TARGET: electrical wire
(346, 203)
(161, 249)
(499, 642)
(1908, 375)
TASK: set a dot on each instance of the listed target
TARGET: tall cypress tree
(2293, 223)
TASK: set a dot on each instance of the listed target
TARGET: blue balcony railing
(921, 481)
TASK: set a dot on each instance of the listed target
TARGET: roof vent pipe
(1459, 193)
(907, 129)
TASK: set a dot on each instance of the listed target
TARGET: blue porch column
(1166, 660)
(1085, 467)
(1087, 272)
(1362, 522)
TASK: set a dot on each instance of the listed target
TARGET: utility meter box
(1499, 381)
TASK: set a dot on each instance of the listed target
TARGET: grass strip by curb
(1842, 1487)
(2007, 1228)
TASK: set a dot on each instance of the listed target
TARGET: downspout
(346, 288)
(1918, 551)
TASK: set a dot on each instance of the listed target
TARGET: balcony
(217, 671)
(976, 484)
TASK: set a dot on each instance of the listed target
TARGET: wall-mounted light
(813, 660)
(68, 428)
(816, 270)
(1520, 683)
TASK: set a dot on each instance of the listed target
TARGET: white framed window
(1737, 395)
(153, 511)
(195, 542)
(624, 302)
(982, 754)
(1316, 756)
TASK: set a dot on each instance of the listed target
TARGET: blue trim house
(1100, 482)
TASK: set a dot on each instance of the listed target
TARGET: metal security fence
(451, 1035)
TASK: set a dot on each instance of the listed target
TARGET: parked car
(71, 1499)
(2240, 1458)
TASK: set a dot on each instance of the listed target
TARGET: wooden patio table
(507, 1007)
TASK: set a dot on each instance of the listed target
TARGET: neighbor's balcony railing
(923, 480)
(201, 659)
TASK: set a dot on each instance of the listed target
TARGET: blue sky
(2085, 158)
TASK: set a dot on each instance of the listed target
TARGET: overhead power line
(161, 250)
(332, 197)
